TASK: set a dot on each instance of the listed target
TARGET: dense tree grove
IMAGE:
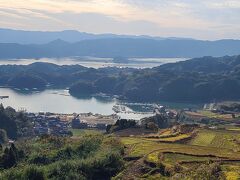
(160, 121)
(15, 124)
(120, 125)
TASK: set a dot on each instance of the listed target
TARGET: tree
(9, 158)
(120, 125)
(15, 124)
(152, 126)
(3, 136)
(1, 108)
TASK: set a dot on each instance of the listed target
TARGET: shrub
(39, 159)
(161, 167)
(65, 171)
(12, 174)
(178, 168)
(33, 173)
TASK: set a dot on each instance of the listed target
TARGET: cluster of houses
(52, 125)
(60, 124)
(162, 110)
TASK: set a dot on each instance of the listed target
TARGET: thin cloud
(196, 18)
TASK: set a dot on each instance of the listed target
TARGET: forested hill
(196, 80)
(206, 64)
(125, 47)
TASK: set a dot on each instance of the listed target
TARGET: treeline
(120, 125)
(197, 80)
(150, 123)
(13, 124)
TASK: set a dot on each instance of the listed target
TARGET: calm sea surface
(59, 101)
(97, 62)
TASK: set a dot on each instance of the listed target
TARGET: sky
(199, 19)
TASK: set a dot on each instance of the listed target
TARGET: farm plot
(218, 139)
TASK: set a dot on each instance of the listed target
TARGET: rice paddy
(206, 145)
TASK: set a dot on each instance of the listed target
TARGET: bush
(102, 166)
(65, 171)
(152, 126)
(178, 168)
(12, 174)
(208, 171)
(161, 167)
(39, 159)
(33, 173)
(9, 158)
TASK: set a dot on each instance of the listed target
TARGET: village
(60, 124)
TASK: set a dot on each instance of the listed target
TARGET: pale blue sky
(201, 19)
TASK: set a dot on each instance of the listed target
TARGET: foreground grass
(90, 156)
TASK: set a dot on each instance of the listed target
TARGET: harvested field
(140, 147)
(217, 138)
(206, 146)
(173, 158)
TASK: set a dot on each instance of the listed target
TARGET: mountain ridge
(125, 47)
(71, 36)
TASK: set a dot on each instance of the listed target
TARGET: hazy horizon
(187, 19)
(106, 33)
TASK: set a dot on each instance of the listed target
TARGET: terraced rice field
(141, 147)
(176, 138)
(214, 145)
(173, 158)
(203, 138)
(209, 114)
(218, 139)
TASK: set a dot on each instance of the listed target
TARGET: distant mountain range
(71, 36)
(30, 44)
